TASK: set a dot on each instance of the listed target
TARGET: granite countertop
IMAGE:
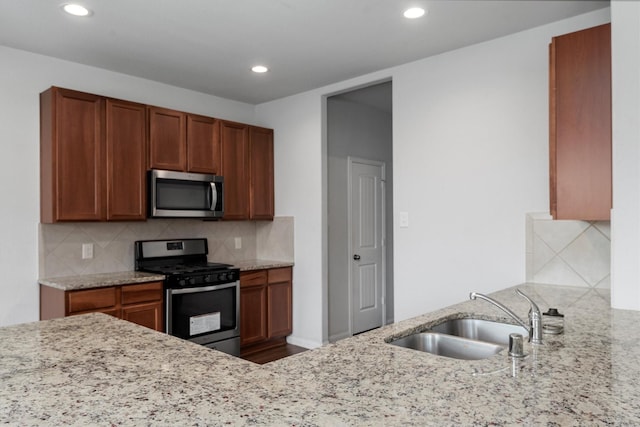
(97, 370)
(259, 264)
(87, 281)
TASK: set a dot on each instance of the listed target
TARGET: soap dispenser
(552, 322)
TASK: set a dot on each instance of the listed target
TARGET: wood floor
(271, 354)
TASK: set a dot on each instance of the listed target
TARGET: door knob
(356, 257)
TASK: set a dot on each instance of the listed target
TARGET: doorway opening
(360, 210)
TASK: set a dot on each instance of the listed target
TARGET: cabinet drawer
(253, 278)
(277, 275)
(143, 292)
(92, 299)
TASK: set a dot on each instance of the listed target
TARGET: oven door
(205, 314)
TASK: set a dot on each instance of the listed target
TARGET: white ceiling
(209, 45)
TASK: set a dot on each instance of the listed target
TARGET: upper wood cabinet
(183, 142)
(234, 141)
(71, 156)
(247, 167)
(580, 125)
(95, 151)
(167, 139)
(203, 144)
(92, 157)
(261, 173)
(126, 141)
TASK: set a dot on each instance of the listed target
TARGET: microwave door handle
(213, 196)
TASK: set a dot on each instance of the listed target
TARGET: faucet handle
(535, 320)
(534, 307)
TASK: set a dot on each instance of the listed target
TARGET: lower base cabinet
(140, 303)
(265, 308)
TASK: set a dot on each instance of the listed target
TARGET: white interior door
(366, 279)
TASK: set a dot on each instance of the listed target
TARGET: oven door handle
(202, 289)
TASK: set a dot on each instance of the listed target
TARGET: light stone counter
(259, 264)
(87, 281)
(96, 370)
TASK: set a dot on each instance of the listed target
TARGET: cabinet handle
(356, 257)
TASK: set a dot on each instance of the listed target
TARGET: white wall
(22, 77)
(470, 159)
(298, 193)
(625, 217)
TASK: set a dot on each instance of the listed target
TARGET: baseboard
(340, 336)
(300, 342)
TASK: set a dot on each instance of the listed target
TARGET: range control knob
(207, 278)
(192, 281)
(182, 282)
(223, 276)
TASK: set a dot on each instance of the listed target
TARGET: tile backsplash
(563, 252)
(60, 248)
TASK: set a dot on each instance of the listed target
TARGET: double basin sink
(467, 338)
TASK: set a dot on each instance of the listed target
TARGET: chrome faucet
(535, 318)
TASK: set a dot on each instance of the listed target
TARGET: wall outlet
(238, 242)
(87, 250)
(404, 219)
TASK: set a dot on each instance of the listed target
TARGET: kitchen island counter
(94, 369)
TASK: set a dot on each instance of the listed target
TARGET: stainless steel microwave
(185, 195)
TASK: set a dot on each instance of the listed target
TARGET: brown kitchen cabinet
(203, 144)
(234, 141)
(95, 151)
(71, 156)
(167, 139)
(253, 307)
(247, 167)
(260, 173)
(265, 308)
(580, 125)
(140, 303)
(92, 158)
(183, 142)
(126, 142)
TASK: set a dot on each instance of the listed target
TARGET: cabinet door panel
(126, 140)
(203, 144)
(253, 278)
(78, 152)
(92, 299)
(149, 315)
(261, 167)
(279, 310)
(253, 315)
(580, 125)
(167, 139)
(235, 158)
(143, 292)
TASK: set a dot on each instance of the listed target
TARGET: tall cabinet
(580, 125)
(72, 156)
(92, 157)
(126, 148)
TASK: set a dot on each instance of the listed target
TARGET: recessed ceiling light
(414, 12)
(76, 10)
(259, 69)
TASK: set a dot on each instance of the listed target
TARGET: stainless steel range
(202, 299)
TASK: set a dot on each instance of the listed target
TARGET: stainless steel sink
(467, 338)
(481, 330)
(448, 345)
